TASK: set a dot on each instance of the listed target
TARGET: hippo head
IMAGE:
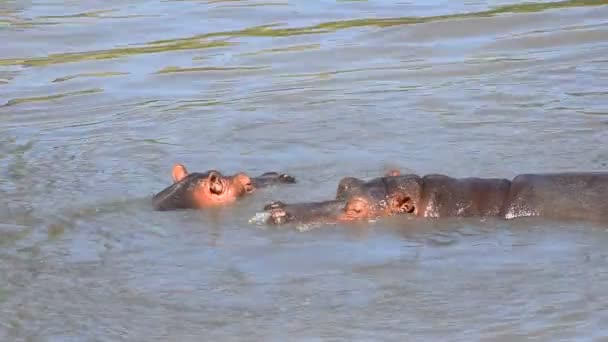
(355, 200)
(201, 189)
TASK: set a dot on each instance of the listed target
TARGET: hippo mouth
(279, 213)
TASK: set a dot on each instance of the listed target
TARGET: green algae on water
(200, 41)
(112, 53)
(21, 100)
(4, 293)
(91, 14)
(92, 74)
(293, 48)
(170, 70)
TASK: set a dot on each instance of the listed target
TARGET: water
(99, 98)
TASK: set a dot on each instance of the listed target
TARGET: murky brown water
(99, 98)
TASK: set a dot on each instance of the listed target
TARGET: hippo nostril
(274, 205)
(216, 183)
(216, 189)
(279, 216)
(248, 188)
(287, 178)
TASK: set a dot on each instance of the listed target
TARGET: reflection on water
(99, 99)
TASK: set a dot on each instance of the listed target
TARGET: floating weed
(21, 149)
(20, 23)
(113, 53)
(17, 101)
(273, 31)
(257, 4)
(55, 231)
(17, 169)
(328, 74)
(4, 294)
(92, 14)
(294, 48)
(97, 15)
(157, 142)
(9, 237)
(220, 1)
(194, 105)
(171, 70)
(92, 74)
(589, 93)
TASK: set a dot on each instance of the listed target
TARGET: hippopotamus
(573, 195)
(211, 188)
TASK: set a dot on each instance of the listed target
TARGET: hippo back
(445, 196)
(559, 196)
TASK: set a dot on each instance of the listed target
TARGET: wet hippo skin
(211, 188)
(349, 188)
(560, 195)
(575, 195)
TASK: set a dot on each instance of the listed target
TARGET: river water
(99, 98)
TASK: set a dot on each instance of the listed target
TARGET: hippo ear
(392, 173)
(179, 172)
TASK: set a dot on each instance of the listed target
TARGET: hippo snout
(279, 216)
(274, 205)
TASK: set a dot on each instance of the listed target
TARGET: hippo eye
(355, 209)
(343, 188)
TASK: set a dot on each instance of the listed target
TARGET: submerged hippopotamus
(579, 195)
(211, 188)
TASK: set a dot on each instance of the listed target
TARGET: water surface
(99, 98)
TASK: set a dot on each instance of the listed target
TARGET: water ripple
(99, 99)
